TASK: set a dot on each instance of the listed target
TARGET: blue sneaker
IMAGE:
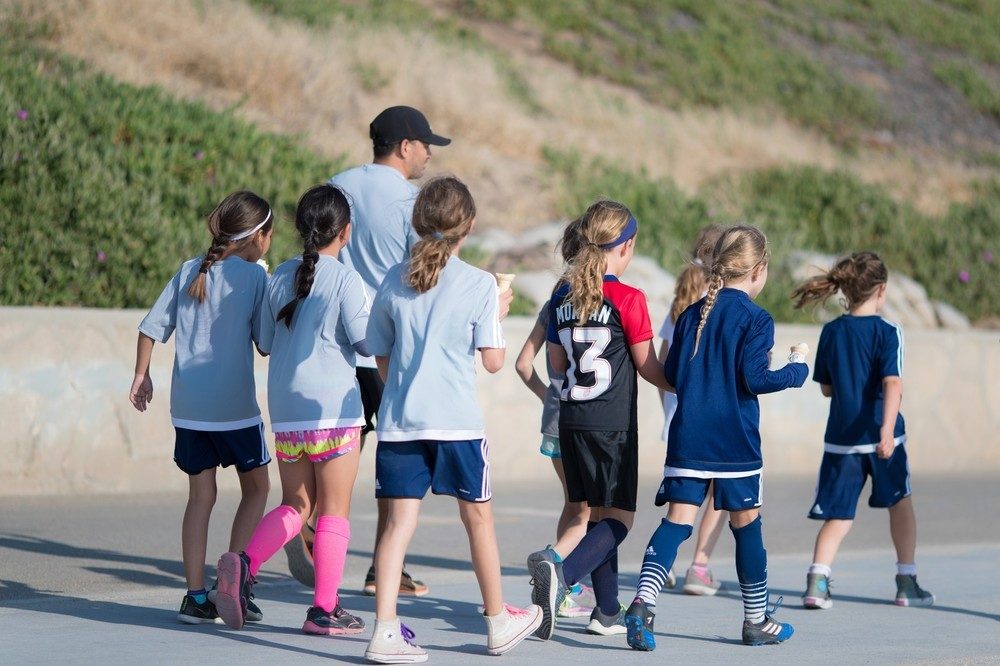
(639, 626)
(767, 632)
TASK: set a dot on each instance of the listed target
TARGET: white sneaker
(391, 644)
(511, 626)
(700, 585)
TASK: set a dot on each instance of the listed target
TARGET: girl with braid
(314, 322)
(214, 304)
(718, 363)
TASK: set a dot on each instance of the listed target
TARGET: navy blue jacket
(716, 426)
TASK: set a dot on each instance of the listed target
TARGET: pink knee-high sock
(275, 529)
(329, 554)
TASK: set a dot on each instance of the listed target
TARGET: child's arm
(382, 362)
(826, 390)
(525, 365)
(757, 376)
(647, 365)
(557, 356)
(892, 398)
(141, 393)
(661, 358)
(493, 358)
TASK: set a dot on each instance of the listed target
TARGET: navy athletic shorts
(198, 450)
(842, 477)
(457, 468)
(739, 494)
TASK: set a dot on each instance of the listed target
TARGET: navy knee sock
(605, 581)
(660, 554)
(751, 569)
(596, 547)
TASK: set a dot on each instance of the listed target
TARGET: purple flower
(22, 114)
(199, 155)
(101, 256)
(988, 257)
(964, 277)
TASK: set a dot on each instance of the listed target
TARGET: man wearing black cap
(382, 234)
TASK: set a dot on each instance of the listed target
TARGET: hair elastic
(626, 235)
(251, 232)
(437, 235)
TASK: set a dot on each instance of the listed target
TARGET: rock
(949, 317)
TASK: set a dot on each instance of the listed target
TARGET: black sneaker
(254, 614)
(639, 626)
(336, 623)
(606, 625)
(192, 612)
(549, 589)
(235, 589)
(769, 631)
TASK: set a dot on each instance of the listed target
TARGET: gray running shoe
(817, 592)
(909, 593)
(607, 625)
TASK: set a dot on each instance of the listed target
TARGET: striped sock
(751, 569)
(659, 557)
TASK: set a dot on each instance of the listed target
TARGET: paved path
(99, 578)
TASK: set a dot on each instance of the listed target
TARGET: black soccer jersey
(600, 388)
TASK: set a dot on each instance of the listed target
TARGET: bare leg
(572, 524)
(828, 541)
(903, 528)
(335, 483)
(254, 486)
(194, 529)
(298, 486)
(478, 520)
(383, 518)
(708, 533)
(401, 522)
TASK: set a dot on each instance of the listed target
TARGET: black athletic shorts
(602, 467)
(371, 395)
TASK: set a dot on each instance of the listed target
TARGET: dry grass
(319, 84)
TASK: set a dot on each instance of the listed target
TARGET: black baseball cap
(403, 122)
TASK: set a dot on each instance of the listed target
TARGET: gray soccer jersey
(310, 381)
(213, 383)
(431, 341)
(381, 202)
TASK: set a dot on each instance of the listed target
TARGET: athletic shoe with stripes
(192, 612)
(335, 623)
(548, 589)
(767, 632)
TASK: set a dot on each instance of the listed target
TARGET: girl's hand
(141, 393)
(505, 299)
(886, 446)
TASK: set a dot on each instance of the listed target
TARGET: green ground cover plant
(807, 208)
(104, 187)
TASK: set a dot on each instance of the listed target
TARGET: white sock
(817, 568)
(906, 569)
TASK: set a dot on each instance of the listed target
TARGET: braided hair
(321, 215)
(739, 250)
(235, 215)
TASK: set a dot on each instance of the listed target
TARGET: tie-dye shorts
(318, 445)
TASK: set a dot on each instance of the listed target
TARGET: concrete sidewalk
(99, 580)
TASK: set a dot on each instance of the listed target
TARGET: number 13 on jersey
(591, 362)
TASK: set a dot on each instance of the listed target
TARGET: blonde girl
(430, 316)
(859, 366)
(214, 304)
(572, 524)
(692, 285)
(719, 365)
(600, 335)
(316, 314)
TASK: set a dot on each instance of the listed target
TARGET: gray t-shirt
(310, 381)
(213, 382)
(431, 341)
(381, 202)
(550, 408)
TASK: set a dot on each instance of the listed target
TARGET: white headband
(251, 232)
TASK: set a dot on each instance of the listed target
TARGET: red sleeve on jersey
(631, 306)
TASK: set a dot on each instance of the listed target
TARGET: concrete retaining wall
(66, 426)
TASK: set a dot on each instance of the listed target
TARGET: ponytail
(585, 277)
(691, 284)
(443, 215)
(320, 216)
(596, 231)
(857, 276)
(196, 289)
